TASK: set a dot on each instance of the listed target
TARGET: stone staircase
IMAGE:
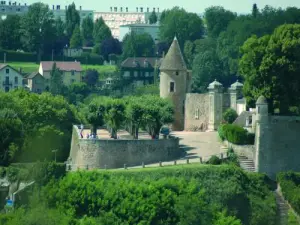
(282, 209)
(246, 164)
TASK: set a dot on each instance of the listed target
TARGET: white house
(10, 78)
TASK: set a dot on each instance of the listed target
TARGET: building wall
(196, 112)
(139, 29)
(17, 9)
(277, 144)
(61, 13)
(37, 84)
(15, 79)
(68, 78)
(116, 153)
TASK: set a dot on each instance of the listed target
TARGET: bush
(230, 115)
(19, 56)
(214, 160)
(235, 134)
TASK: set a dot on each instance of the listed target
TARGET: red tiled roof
(64, 66)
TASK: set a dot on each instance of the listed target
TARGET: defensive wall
(110, 153)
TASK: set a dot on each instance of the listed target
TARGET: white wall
(15, 79)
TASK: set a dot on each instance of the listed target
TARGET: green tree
(153, 18)
(76, 39)
(10, 36)
(56, 80)
(101, 31)
(134, 115)
(188, 50)
(37, 28)
(91, 77)
(270, 67)
(217, 19)
(222, 219)
(137, 45)
(95, 113)
(185, 26)
(230, 115)
(72, 19)
(87, 30)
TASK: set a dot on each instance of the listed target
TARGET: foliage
(94, 113)
(10, 36)
(214, 160)
(101, 31)
(72, 19)
(110, 46)
(150, 89)
(290, 187)
(187, 195)
(76, 39)
(230, 115)
(292, 218)
(56, 80)
(153, 18)
(91, 77)
(189, 52)
(87, 28)
(270, 67)
(217, 19)
(137, 45)
(177, 22)
(235, 134)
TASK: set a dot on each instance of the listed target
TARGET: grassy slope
(32, 67)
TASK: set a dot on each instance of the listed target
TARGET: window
(73, 72)
(16, 80)
(172, 86)
(177, 73)
(7, 71)
(197, 114)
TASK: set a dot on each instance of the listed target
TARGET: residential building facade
(122, 16)
(10, 78)
(12, 8)
(140, 28)
(71, 72)
(36, 82)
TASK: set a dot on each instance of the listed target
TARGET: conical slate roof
(174, 59)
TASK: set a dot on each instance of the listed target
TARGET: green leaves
(101, 31)
(76, 39)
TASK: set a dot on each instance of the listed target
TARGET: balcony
(7, 83)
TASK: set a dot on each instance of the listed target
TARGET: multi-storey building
(9, 78)
(12, 8)
(140, 28)
(122, 16)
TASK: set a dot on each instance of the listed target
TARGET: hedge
(235, 134)
(85, 58)
(290, 187)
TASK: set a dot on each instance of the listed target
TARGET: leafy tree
(110, 46)
(217, 19)
(10, 36)
(76, 39)
(150, 89)
(61, 39)
(101, 31)
(153, 18)
(37, 28)
(230, 115)
(270, 67)
(255, 10)
(10, 135)
(184, 25)
(134, 115)
(189, 52)
(56, 80)
(162, 48)
(77, 92)
(91, 77)
(72, 19)
(138, 45)
(87, 30)
(95, 113)
(222, 219)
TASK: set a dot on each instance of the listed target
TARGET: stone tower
(174, 82)
(235, 91)
(215, 105)
(261, 126)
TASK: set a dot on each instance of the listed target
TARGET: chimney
(158, 10)
(20, 70)
(9, 3)
(121, 9)
(137, 9)
(66, 7)
(52, 7)
(25, 4)
(153, 9)
(148, 9)
(141, 9)
(111, 9)
(80, 7)
(126, 9)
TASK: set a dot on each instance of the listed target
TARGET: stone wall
(196, 112)
(278, 144)
(226, 101)
(96, 153)
(242, 150)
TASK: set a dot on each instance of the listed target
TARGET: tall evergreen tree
(87, 31)
(76, 39)
(254, 10)
(153, 18)
(10, 36)
(101, 31)
(72, 19)
(56, 80)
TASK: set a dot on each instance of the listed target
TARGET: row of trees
(133, 113)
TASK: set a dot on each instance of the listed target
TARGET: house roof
(64, 66)
(174, 59)
(33, 74)
(3, 65)
(132, 62)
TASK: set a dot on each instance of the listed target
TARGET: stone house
(139, 71)
(195, 111)
(36, 82)
(10, 78)
(71, 71)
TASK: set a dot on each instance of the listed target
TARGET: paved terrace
(198, 145)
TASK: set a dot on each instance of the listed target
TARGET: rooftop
(132, 61)
(140, 25)
(64, 66)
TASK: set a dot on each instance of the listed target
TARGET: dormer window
(177, 73)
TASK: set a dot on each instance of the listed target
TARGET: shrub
(232, 157)
(235, 134)
(214, 160)
(230, 115)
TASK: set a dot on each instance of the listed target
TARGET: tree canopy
(101, 31)
(72, 19)
(76, 39)
(87, 28)
(10, 35)
(153, 18)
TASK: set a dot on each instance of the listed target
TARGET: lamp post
(54, 151)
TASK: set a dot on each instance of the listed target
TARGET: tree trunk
(136, 135)
(94, 129)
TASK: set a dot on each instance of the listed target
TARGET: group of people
(91, 136)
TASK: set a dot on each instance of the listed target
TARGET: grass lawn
(28, 67)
